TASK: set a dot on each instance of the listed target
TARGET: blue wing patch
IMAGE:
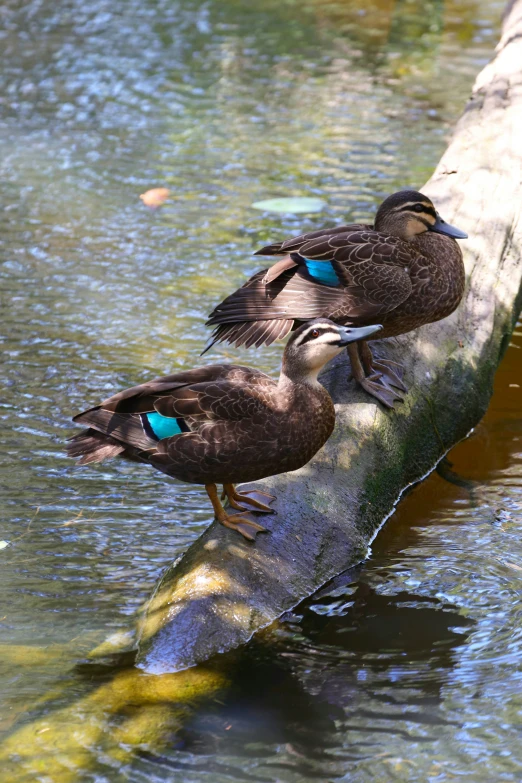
(322, 271)
(160, 427)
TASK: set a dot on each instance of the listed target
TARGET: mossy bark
(132, 711)
(224, 589)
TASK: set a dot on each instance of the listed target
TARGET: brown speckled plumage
(238, 424)
(243, 425)
(399, 272)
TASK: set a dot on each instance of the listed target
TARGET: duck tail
(92, 446)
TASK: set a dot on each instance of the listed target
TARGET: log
(107, 724)
(223, 589)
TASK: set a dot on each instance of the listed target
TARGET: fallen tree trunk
(223, 589)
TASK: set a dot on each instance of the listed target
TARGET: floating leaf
(155, 197)
(294, 205)
(4, 544)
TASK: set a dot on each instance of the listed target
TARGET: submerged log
(223, 589)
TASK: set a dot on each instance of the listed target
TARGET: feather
(233, 424)
(126, 428)
(284, 329)
(350, 274)
(278, 268)
(92, 446)
(322, 271)
(163, 426)
(294, 295)
(295, 242)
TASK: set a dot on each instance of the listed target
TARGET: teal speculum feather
(322, 271)
(164, 426)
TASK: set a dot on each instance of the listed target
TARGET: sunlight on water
(406, 671)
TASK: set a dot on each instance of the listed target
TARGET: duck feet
(239, 522)
(391, 373)
(236, 498)
(381, 378)
(381, 391)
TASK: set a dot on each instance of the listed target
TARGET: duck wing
(292, 245)
(137, 419)
(346, 255)
(343, 274)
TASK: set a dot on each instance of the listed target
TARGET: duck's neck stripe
(158, 427)
(322, 271)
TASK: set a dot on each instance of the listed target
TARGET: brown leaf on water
(155, 197)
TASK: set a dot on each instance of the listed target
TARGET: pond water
(406, 669)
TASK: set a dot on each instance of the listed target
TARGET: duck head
(315, 343)
(408, 213)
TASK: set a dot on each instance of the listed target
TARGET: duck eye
(315, 333)
(418, 208)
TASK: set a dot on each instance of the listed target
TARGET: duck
(224, 423)
(405, 270)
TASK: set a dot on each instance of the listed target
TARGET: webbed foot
(381, 391)
(391, 373)
(240, 522)
(236, 499)
(381, 377)
(258, 492)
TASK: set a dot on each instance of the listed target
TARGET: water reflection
(300, 691)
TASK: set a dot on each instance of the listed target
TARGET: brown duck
(405, 271)
(224, 424)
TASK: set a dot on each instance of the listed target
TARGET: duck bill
(353, 334)
(441, 227)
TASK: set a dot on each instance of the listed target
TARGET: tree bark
(223, 589)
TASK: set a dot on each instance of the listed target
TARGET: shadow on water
(292, 688)
(294, 692)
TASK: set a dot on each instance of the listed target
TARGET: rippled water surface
(407, 669)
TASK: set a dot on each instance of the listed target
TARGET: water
(410, 669)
